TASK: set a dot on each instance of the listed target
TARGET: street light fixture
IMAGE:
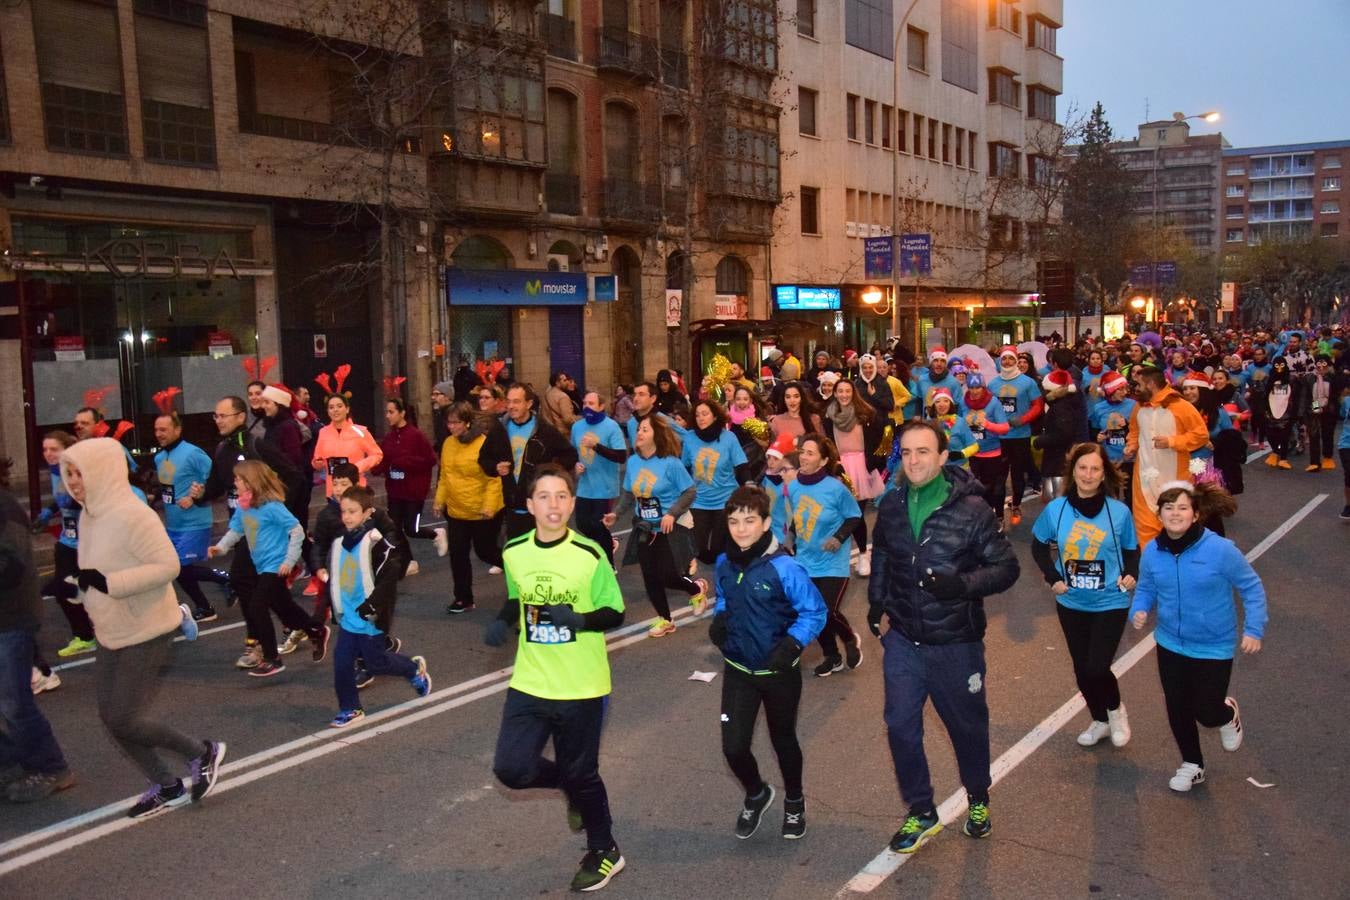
(873, 296)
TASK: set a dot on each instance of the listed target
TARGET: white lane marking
(293, 753)
(886, 863)
(1255, 455)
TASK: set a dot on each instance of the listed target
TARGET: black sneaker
(159, 800)
(977, 820)
(205, 770)
(747, 823)
(318, 639)
(597, 868)
(829, 666)
(794, 819)
(853, 652)
(363, 678)
(267, 668)
(1345, 513)
(916, 831)
(204, 615)
(460, 606)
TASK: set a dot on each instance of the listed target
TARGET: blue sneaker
(916, 831)
(421, 682)
(347, 717)
(187, 623)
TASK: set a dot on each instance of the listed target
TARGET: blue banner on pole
(878, 256)
(1144, 274)
(916, 254)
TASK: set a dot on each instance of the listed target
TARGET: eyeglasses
(218, 416)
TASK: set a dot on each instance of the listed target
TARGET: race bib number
(70, 524)
(539, 627)
(1087, 574)
(649, 509)
(166, 495)
(977, 433)
(1115, 438)
(1009, 405)
(334, 462)
(396, 475)
(232, 499)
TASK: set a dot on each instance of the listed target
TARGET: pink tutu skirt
(866, 484)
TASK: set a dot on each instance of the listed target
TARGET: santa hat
(937, 353)
(1009, 350)
(940, 392)
(277, 394)
(782, 445)
(850, 355)
(1058, 380)
(1112, 382)
(1197, 379)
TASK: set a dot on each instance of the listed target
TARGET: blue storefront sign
(515, 287)
(606, 288)
(916, 254)
(878, 254)
(788, 297)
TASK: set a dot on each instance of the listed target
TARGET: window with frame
(83, 107)
(806, 17)
(1331, 183)
(1331, 162)
(1003, 14)
(972, 141)
(733, 276)
(960, 44)
(901, 119)
(918, 135)
(916, 48)
(1233, 211)
(1041, 34)
(1330, 229)
(885, 126)
(851, 116)
(1004, 89)
(1040, 170)
(750, 33)
(810, 201)
(933, 125)
(1040, 104)
(1331, 207)
(502, 111)
(174, 66)
(1003, 160)
(749, 157)
(1236, 171)
(806, 111)
(961, 147)
(1234, 190)
(870, 121)
(1233, 236)
(868, 25)
(946, 142)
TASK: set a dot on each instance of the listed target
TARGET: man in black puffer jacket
(937, 553)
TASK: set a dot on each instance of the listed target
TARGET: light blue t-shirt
(520, 436)
(1017, 396)
(351, 591)
(600, 481)
(817, 512)
(267, 529)
(1343, 442)
(713, 467)
(655, 483)
(1090, 552)
(177, 469)
(927, 383)
(779, 508)
(1114, 419)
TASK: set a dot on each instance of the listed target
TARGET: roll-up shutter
(77, 45)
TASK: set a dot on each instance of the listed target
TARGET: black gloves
(943, 587)
(717, 630)
(785, 654)
(92, 578)
(366, 611)
(874, 613)
(495, 634)
(564, 616)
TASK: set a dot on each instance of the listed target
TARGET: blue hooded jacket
(768, 599)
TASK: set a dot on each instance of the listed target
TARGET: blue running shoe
(421, 682)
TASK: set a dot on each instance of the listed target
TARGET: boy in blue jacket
(767, 610)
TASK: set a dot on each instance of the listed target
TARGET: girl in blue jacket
(1187, 574)
(66, 513)
(767, 610)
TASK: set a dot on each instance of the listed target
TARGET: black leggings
(1278, 434)
(481, 536)
(710, 534)
(1194, 690)
(836, 626)
(68, 565)
(1093, 638)
(780, 693)
(270, 595)
(1018, 453)
(658, 571)
(860, 533)
(405, 514)
(992, 471)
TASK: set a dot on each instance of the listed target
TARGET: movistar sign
(515, 287)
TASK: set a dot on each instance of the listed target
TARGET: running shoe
(413, 568)
(1230, 735)
(294, 638)
(853, 652)
(267, 668)
(159, 799)
(186, 623)
(1313, 467)
(204, 615)
(1345, 513)
(205, 770)
(460, 606)
(752, 813)
(575, 823)
(363, 677)
(1285, 464)
(700, 600)
(441, 539)
(1328, 463)
(660, 628)
(1015, 516)
(977, 820)
(319, 640)
(1120, 725)
(1273, 460)
(828, 666)
(76, 647)
(251, 657)
(1187, 777)
(421, 681)
(916, 831)
(392, 644)
(794, 819)
(597, 868)
(865, 564)
(312, 589)
(34, 786)
(40, 683)
(494, 570)
(1094, 734)
(347, 717)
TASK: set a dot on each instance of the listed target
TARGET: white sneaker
(442, 541)
(1187, 777)
(294, 639)
(40, 682)
(1230, 735)
(494, 570)
(413, 568)
(1120, 725)
(1093, 733)
(865, 564)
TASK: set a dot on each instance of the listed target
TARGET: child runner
(274, 539)
(64, 509)
(563, 596)
(767, 610)
(367, 566)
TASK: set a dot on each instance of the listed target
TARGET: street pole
(895, 190)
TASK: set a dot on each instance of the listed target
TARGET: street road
(405, 805)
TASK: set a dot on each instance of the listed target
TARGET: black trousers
(1018, 453)
(68, 565)
(481, 535)
(269, 596)
(780, 694)
(836, 626)
(243, 583)
(1278, 433)
(992, 472)
(528, 723)
(518, 523)
(710, 534)
(590, 515)
(860, 533)
(405, 514)
(1092, 638)
(1194, 690)
(1321, 437)
(658, 572)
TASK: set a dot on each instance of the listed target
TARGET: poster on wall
(69, 349)
(674, 305)
(1113, 327)
(731, 306)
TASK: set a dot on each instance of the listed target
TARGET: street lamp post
(900, 32)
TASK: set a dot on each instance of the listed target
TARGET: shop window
(733, 276)
(80, 69)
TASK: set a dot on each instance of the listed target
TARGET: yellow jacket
(463, 489)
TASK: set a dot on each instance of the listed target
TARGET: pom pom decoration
(719, 371)
(757, 429)
(782, 445)
(257, 371)
(164, 399)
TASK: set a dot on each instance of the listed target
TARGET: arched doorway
(480, 332)
(627, 322)
(564, 256)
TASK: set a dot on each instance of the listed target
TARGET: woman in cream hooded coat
(126, 570)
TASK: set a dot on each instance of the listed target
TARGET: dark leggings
(860, 533)
(1194, 690)
(68, 565)
(479, 535)
(1018, 453)
(658, 571)
(710, 534)
(590, 522)
(405, 514)
(836, 626)
(270, 595)
(780, 693)
(190, 578)
(1278, 435)
(1093, 638)
(992, 472)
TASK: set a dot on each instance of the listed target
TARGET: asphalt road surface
(405, 804)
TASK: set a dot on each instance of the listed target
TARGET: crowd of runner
(744, 493)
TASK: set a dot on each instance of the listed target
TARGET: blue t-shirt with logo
(817, 512)
(267, 529)
(519, 435)
(1016, 396)
(351, 591)
(713, 467)
(600, 480)
(1114, 419)
(177, 469)
(1090, 552)
(655, 483)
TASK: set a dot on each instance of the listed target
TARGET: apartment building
(1176, 179)
(971, 129)
(1284, 192)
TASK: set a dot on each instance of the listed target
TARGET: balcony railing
(674, 68)
(626, 52)
(562, 193)
(560, 34)
(631, 201)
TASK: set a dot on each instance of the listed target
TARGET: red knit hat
(941, 392)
